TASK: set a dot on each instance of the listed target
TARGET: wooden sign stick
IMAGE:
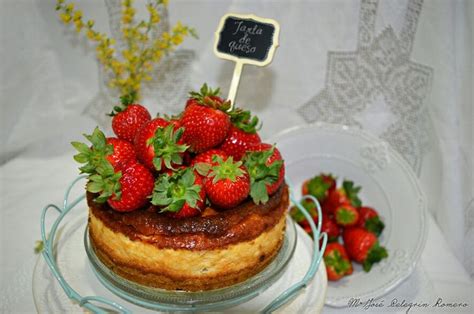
(234, 85)
(245, 39)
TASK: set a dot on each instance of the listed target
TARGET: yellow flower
(128, 68)
(66, 18)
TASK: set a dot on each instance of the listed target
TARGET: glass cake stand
(159, 299)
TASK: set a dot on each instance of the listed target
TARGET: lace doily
(378, 88)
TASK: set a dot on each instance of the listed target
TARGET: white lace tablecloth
(400, 56)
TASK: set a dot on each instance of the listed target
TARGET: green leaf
(202, 168)
(352, 192)
(258, 192)
(81, 147)
(172, 192)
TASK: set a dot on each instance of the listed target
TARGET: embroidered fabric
(377, 87)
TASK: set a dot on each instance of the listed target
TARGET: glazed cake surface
(214, 250)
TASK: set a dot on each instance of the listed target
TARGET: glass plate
(160, 299)
(388, 184)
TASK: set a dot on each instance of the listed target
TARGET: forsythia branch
(134, 64)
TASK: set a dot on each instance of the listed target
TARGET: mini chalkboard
(245, 39)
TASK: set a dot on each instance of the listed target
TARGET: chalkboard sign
(247, 39)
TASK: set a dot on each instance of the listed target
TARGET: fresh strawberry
(266, 169)
(369, 220)
(346, 194)
(337, 262)
(181, 194)
(158, 144)
(136, 186)
(238, 142)
(123, 152)
(207, 157)
(331, 228)
(319, 186)
(206, 124)
(228, 183)
(124, 190)
(363, 247)
(103, 153)
(298, 216)
(129, 118)
(242, 134)
(205, 94)
(346, 215)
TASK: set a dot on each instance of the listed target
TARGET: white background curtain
(49, 76)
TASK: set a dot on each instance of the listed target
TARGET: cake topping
(207, 150)
(158, 144)
(128, 118)
(227, 183)
(205, 122)
(266, 169)
(181, 193)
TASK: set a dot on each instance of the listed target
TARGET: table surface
(438, 274)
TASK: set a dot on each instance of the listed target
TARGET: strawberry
(337, 262)
(363, 247)
(228, 183)
(298, 217)
(158, 144)
(346, 194)
(205, 123)
(238, 142)
(136, 185)
(103, 153)
(266, 169)
(204, 95)
(369, 220)
(207, 157)
(129, 118)
(331, 228)
(181, 194)
(319, 186)
(242, 134)
(123, 152)
(346, 215)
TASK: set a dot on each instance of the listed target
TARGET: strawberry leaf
(374, 225)
(352, 192)
(318, 188)
(172, 192)
(225, 169)
(375, 255)
(243, 120)
(166, 147)
(260, 173)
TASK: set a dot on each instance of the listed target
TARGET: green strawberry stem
(102, 177)
(352, 192)
(225, 169)
(318, 188)
(166, 147)
(125, 101)
(261, 174)
(374, 225)
(375, 255)
(309, 205)
(243, 120)
(335, 260)
(172, 192)
(345, 216)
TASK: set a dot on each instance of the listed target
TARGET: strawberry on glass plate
(388, 184)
